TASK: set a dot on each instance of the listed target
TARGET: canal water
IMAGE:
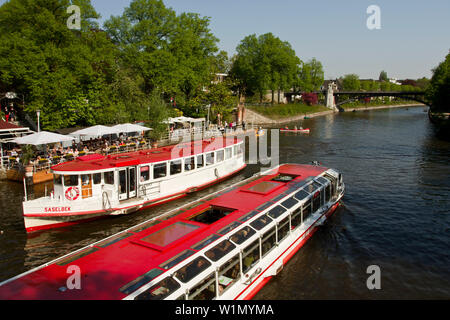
(395, 213)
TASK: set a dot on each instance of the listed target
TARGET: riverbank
(255, 118)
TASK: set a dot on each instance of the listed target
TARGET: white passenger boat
(93, 186)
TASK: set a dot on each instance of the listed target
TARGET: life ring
(72, 193)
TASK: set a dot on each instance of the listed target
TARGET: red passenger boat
(224, 246)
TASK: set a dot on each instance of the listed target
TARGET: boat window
(240, 148)
(327, 193)
(201, 244)
(160, 290)
(264, 206)
(71, 181)
(312, 187)
(248, 215)
(175, 167)
(289, 203)
(220, 250)
(268, 241)
(145, 173)
(296, 218)
(229, 273)
(159, 170)
(316, 201)
(250, 256)
(57, 179)
(322, 180)
(302, 194)
(177, 259)
(276, 212)
(220, 155)
(279, 197)
(261, 222)
(205, 290)
(283, 229)
(229, 227)
(333, 184)
(109, 177)
(200, 162)
(211, 214)
(85, 179)
(97, 178)
(209, 158)
(235, 150)
(169, 234)
(189, 164)
(122, 181)
(228, 153)
(306, 210)
(242, 235)
(192, 269)
(140, 281)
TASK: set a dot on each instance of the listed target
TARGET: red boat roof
(96, 162)
(109, 265)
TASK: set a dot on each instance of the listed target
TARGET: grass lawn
(279, 111)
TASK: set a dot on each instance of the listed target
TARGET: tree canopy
(264, 63)
(438, 91)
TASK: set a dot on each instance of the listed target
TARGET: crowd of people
(57, 153)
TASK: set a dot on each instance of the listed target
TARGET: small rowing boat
(295, 130)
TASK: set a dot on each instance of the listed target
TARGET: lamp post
(38, 112)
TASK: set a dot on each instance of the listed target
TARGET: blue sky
(414, 35)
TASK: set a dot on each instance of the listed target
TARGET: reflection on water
(395, 213)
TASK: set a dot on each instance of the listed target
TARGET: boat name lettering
(57, 209)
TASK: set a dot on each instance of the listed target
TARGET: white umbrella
(42, 137)
(129, 127)
(97, 130)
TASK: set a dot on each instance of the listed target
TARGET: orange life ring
(72, 193)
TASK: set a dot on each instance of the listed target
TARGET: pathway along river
(395, 213)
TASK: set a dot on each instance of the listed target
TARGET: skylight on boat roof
(169, 234)
(264, 187)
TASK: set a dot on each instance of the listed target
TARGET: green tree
(383, 76)
(310, 76)
(173, 54)
(264, 63)
(350, 82)
(54, 67)
(438, 92)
